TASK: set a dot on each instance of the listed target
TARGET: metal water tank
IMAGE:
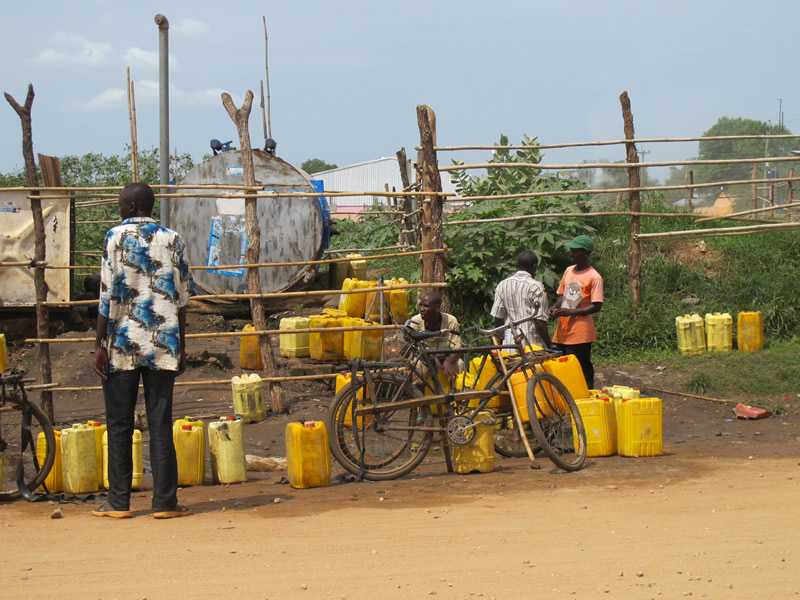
(293, 229)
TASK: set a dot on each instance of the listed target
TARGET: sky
(345, 77)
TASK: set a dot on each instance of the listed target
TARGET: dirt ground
(715, 517)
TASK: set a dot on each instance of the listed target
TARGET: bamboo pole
(789, 192)
(246, 192)
(674, 393)
(322, 262)
(743, 212)
(401, 246)
(755, 187)
(266, 72)
(201, 383)
(691, 191)
(660, 188)
(632, 157)
(625, 165)
(772, 200)
(130, 121)
(719, 231)
(274, 295)
(240, 334)
(612, 213)
(613, 142)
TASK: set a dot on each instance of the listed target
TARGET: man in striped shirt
(520, 296)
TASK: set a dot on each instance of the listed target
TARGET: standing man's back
(141, 326)
(521, 296)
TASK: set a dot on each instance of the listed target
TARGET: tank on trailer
(293, 229)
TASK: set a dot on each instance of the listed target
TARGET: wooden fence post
(755, 187)
(691, 191)
(432, 239)
(240, 117)
(39, 254)
(635, 251)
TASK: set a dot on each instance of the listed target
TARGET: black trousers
(583, 352)
(121, 390)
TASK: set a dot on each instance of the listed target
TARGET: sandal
(178, 511)
(109, 511)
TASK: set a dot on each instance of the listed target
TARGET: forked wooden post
(432, 264)
(39, 253)
(631, 156)
(240, 117)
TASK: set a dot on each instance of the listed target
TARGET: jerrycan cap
(186, 427)
(563, 358)
(309, 424)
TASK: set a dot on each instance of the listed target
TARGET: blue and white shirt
(145, 279)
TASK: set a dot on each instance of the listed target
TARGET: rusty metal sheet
(213, 228)
(17, 244)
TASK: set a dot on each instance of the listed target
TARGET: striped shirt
(518, 297)
(144, 280)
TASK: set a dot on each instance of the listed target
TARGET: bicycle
(382, 424)
(21, 422)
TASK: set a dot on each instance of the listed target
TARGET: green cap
(582, 241)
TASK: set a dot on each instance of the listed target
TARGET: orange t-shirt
(579, 288)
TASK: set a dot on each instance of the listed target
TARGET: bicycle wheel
(559, 427)
(392, 444)
(507, 441)
(11, 448)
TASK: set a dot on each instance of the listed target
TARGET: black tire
(505, 446)
(11, 448)
(554, 429)
(392, 445)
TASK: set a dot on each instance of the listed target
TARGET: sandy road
(686, 524)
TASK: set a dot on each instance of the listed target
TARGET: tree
(727, 149)
(484, 254)
(316, 165)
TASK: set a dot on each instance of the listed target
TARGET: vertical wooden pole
(240, 117)
(691, 191)
(432, 237)
(39, 253)
(772, 200)
(789, 198)
(631, 156)
(755, 187)
(406, 202)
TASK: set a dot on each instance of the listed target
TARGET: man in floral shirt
(141, 324)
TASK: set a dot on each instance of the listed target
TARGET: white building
(369, 176)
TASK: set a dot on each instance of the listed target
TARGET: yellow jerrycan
(294, 344)
(79, 459)
(99, 431)
(640, 427)
(749, 332)
(137, 476)
(308, 457)
(600, 423)
(719, 332)
(226, 448)
(248, 397)
(55, 479)
(478, 455)
(249, 351)
(691, 334)
(190, 449)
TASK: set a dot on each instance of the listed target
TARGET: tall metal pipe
(163, 89)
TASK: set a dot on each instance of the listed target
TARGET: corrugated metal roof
(369, 176)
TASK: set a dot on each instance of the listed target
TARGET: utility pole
(780, 112)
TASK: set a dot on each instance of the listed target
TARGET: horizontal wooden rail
(589, 192)
(621, 165)
(220, 334)
(408, 286)
(324, 261)
(748, 212)
(616, 142)
(686, 215)
(719, 231)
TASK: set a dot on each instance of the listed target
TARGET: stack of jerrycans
(189, 437)
(639, 422)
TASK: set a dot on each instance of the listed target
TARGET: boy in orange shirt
(580, 296)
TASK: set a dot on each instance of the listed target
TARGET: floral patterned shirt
(145, 279)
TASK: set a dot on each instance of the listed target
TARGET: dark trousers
(583, 352)
(121, 390)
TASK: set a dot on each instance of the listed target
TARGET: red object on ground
(745, 411)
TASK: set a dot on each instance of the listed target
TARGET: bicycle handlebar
(425, 334)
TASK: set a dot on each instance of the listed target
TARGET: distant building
(369, 176)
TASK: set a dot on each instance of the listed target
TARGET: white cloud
(73, 50)
(137, 57)
(189, 26)
(108, 98)
(147, 93)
